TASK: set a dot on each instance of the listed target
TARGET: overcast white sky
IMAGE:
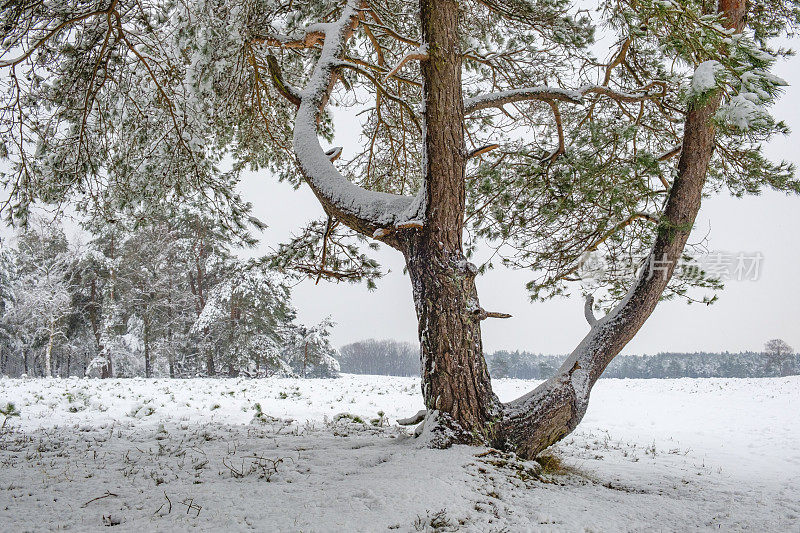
(747, 314)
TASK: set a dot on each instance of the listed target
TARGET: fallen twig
(106, 495)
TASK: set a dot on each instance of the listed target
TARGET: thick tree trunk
(455, 379)
(454, 375)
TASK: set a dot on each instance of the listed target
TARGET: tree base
(440, 431)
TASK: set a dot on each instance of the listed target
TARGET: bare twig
(106, 495)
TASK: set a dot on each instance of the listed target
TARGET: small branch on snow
(334, 153)
(106, 495)
(168, 504)
(588, 312)
(416, 419)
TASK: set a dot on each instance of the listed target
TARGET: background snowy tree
(779, 356)
(247, 321)
(44, 265)
(148, 272)
(127, 304)
(483, 121)
(309, 351)
(6, 300)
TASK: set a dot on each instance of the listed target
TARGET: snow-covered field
(145, 455)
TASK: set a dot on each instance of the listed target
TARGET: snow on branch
(361, 209)
(420, 54)
(412, 420)
(545, 93)
(542, 93)
(334, 153)
(588, 312)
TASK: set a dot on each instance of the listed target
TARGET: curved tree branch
(286, 90)
(545, 93)
(542, 93)
(549, 412)
(365, 211)
(588, 312)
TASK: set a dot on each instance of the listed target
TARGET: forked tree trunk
(454, 376)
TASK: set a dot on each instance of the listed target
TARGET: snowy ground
(160, 455)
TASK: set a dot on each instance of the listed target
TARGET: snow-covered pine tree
(44, 264)
(6, 301)
(483, 120)
(248, 319)
(309, 352)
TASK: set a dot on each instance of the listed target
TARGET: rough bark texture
(455, 378)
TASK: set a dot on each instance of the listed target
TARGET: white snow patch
(705, 77)
(680, 454)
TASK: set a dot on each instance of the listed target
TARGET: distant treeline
(526, 365)
(393, 358)
(380, 357)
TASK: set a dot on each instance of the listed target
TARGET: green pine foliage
(127, 107)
